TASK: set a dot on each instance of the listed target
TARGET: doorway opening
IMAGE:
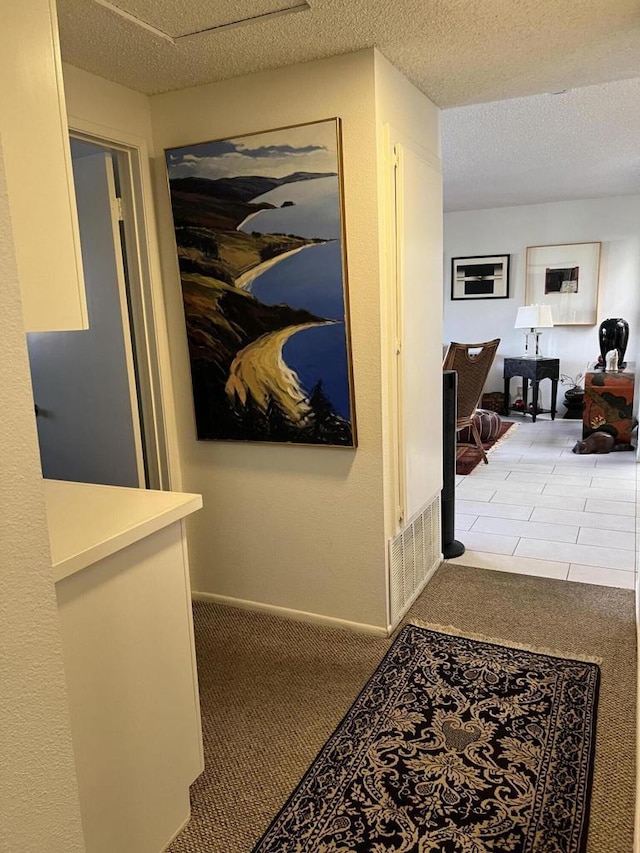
(97, 391)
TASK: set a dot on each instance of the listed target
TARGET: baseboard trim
(420, 589)
(288, 613)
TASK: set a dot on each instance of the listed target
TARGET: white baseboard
(286, 612)
(419, 590)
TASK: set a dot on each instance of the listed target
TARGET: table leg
(505, 405)
(525, 393)
(554, 394)
(535, 384)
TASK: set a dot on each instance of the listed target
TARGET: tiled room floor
(539, 509)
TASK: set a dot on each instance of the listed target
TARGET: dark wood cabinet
(608, 404)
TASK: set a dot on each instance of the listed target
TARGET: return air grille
(414, 554)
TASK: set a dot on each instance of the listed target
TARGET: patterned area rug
(467, 457)
(455, 745)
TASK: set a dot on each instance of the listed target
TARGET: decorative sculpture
(613, 334)
(611, 361)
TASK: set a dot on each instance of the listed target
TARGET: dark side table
(532, 370)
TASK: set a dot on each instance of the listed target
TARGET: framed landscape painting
(260, 241)
(480, 277)
(566, 278)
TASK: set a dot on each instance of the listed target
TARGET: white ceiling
(458, 52)
(584, 143)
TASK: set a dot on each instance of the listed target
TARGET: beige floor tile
(628, 473)
(601, 577)
(533, 467)
(518, 565)
(613, 482)
(528, 488)
(525, 499)
(607, 538)
(489, 542)
(493, 510)
(586, 555)
(590, 520)
(474, 492)
(465, 522)
(564, 479)
(530, 529)
(588, 492)
(489, 472)
(610, 507)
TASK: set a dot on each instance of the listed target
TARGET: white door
(84, 381)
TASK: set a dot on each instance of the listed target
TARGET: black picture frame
(480, 277)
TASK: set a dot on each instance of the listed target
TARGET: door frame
(146, 304)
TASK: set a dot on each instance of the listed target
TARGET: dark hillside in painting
(222, 319)
(240, 188)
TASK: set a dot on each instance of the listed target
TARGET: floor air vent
(414, 554)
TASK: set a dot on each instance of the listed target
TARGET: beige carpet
(273, 690)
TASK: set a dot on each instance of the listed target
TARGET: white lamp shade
(534, 317)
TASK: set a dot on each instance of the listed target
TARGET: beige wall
(110, 109)
(295, 527)
(39, 809)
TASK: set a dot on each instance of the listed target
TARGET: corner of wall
(39, 778)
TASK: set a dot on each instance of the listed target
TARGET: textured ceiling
(584, 143)
(184, 17)
(522, 150)
(456, 51)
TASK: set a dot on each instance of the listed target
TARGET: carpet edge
(524, 647)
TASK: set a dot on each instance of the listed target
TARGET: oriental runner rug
(468, 457)
(455, 745)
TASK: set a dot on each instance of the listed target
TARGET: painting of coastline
(259, 236)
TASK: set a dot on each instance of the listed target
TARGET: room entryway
(92, 387)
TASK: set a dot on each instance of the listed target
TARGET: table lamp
(533, 317)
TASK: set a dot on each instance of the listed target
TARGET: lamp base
(532, 344)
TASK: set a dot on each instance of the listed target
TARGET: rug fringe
(483, 638)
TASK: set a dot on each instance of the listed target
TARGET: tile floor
(539, 509)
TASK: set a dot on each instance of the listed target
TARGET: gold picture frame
(267, 323)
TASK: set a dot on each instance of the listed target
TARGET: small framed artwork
(566, 278)
(480, 277)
